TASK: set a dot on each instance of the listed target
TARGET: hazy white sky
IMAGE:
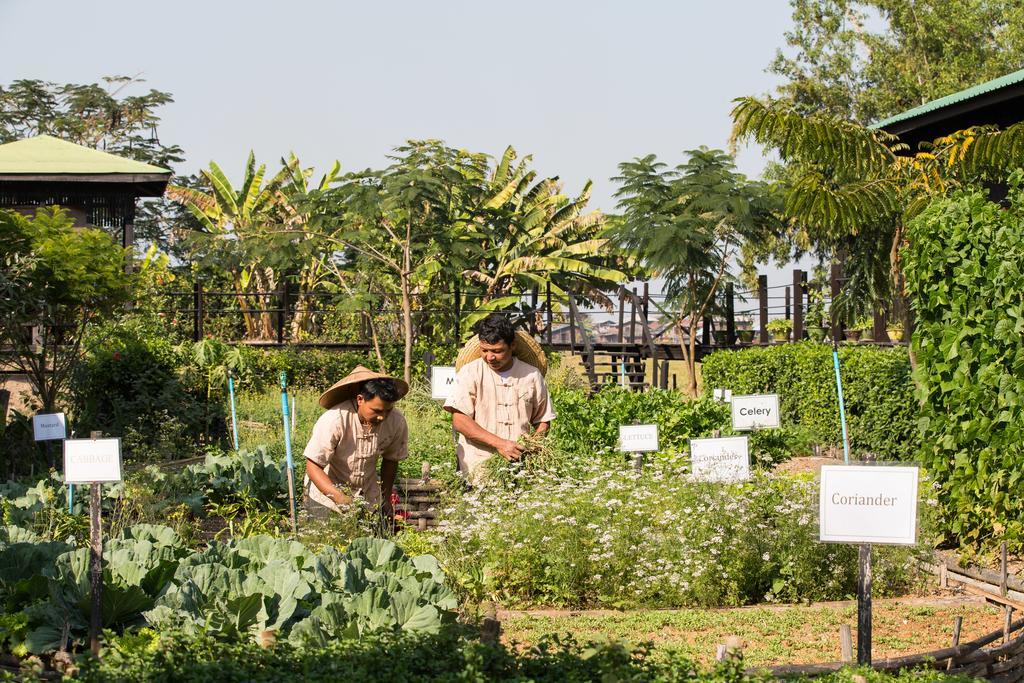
(580, 85)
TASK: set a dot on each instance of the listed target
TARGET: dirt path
(772, 634)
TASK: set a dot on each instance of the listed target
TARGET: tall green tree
(401, 219)
(56, 281)
(864, 60)
(687, 224)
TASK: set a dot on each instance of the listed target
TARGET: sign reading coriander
(89, 461)
(868, 504)
(721, 460)
(638, 438)
(442, 381)
(49, 426)
(758, 411)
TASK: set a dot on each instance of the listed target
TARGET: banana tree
(236, 225)
(528, 233)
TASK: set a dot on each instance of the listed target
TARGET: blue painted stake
(71, 499)
(234, 419)
(842, 405)
(288, 448)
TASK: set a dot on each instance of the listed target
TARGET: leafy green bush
(965, 271)
(587, 425)
(130, 385)
(881, 411)
(232, 476)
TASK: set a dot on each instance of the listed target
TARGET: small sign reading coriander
(725, 459)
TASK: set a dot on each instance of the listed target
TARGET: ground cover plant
(772, 634)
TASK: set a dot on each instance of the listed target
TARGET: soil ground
(772, 635)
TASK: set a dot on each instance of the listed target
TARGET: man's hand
(510, 450)
(340, 497)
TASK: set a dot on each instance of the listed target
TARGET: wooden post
(534, 298)
(282, 308)
(551, 313)
(1007, 621)
(632, 318)
(798, 305)
(95, 569)
(707, 330)
(878, 326)
(664, 374)
(837, 323)
(762, 305)
(622, 311)
(572, 326)
(1004, 573)
(457, 311)
(958, 622)
(845, 643)
(730, 313)
(864, 606)
(788, 304)
(197, 311)
(647, 301)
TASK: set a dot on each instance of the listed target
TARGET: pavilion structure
(98, 189)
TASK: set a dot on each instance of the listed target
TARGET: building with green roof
(97, 188)
(999, 101)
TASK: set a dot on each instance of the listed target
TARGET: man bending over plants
(360, 427)
(499, 394)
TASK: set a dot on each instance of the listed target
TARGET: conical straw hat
(527, 350)
(352, 383)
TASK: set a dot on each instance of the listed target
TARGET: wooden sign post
(866, 504)
(93, 461)
(636, 440)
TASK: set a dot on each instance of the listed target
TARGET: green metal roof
(47, 155)
(963, 95)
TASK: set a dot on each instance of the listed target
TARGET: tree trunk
(407, 310)
(250, 322)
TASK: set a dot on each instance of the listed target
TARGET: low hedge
(881, 411)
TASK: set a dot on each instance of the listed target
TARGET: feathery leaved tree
(687, 224)
(851, 190)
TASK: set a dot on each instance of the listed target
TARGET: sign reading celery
(758, 411)
(723, 460)
(868, 504)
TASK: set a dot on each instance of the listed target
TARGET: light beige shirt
(348, 452)
(505, 406)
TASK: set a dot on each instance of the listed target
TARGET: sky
(580, 85)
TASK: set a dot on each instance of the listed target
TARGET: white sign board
(758, 411)
(442, 381)
(87, 461)
(49, 426)
(723, 395)
(865, 504)
(725, 459)
(638, 438)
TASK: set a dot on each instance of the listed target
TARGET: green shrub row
(878, 389)
(965, 271)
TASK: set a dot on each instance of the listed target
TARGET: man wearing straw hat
(499, 394)
(360, 427)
